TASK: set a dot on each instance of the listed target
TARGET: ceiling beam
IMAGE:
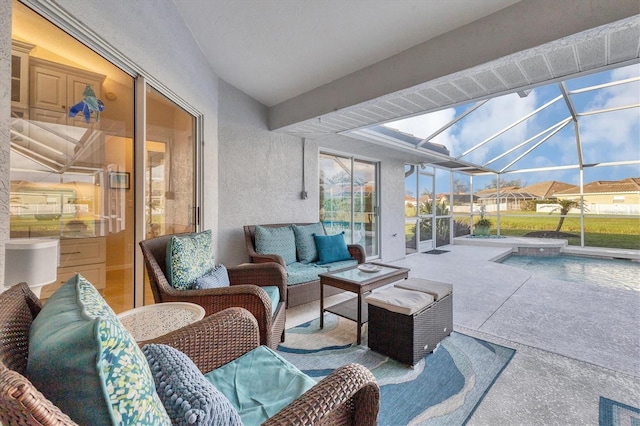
(524, 25)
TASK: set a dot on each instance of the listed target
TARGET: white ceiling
(277, 50)
(274, 50)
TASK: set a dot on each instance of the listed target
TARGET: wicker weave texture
(244, 290)
(348, 396)
(302, 293)
(409, 338)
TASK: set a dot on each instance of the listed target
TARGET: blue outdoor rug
(442, 389)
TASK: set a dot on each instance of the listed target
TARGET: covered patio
(574, 341)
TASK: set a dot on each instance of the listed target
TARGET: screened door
(419, 208)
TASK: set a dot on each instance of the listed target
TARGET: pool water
(613, 273)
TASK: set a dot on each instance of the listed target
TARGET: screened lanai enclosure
(558, 161)
(544, 142)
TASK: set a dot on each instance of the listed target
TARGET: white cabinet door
(48, 88)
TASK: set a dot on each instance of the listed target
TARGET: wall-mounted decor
(119, 180)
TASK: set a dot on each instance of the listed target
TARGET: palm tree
(564, 206)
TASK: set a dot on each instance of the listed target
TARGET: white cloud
(605, 137)
(613, 136)
(423, 126)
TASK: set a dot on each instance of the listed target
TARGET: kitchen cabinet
(86, 256)
(54, 88)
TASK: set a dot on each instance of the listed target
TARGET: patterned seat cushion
(274, 295)
(79, 351)
(303, 272)
(341, 264)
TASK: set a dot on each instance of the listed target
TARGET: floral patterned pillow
(79, 351)
(189, 257)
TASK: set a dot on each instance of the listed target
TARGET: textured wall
(260, 174)
(5, 108)
(261, 177)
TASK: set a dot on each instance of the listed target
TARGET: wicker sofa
(348, 396)
(306, 291)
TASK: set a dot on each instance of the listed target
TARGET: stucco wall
(260, 177)
(260, 174)
(5, 108)
(392, 210)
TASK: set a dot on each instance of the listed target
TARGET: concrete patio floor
(574, 342)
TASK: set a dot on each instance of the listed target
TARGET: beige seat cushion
(437, 289)
(401, 301)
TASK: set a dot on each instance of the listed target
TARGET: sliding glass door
(169, 190)
(80, 165)
(349, 200)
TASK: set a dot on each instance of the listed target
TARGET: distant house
(458, 199)
(410, 207)
(547, 189)
(607, 196)
(511, 198)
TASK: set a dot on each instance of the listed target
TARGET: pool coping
(560, 246)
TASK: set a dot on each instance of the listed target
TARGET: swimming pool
(614, 273)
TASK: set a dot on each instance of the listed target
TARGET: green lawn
(600, 231)
(613, 232)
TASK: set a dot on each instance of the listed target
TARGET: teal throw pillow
(216, 278)
(278, 240)
(188, 257)
(189, 398)
(305, 244)
(331, 248)
(84, 361)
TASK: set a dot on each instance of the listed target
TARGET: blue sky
(605, 137)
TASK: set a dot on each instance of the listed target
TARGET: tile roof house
(607, 197)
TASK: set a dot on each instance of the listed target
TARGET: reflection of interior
(155, 182)
(72, 174)
(60, 164)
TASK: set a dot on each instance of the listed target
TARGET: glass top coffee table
(360, 280)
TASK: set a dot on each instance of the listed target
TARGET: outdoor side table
(360, 280)
(151, 321)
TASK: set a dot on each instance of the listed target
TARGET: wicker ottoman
(442, 294)
(406, 324)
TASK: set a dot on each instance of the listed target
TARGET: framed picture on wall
(119, 180)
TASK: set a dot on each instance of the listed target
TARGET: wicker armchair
(348, 396)
(244, 290)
